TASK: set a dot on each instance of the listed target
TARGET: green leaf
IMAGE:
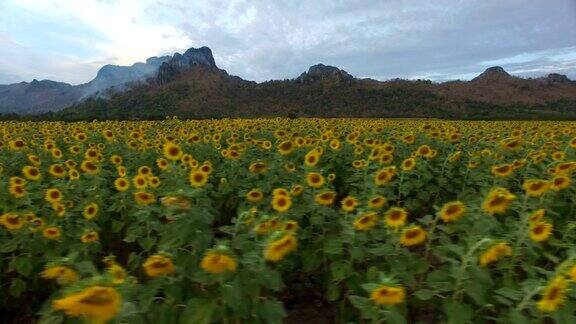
(17, 287)
(9, 246)
(333, 292)
(340, 270)
(362, 303)
(22, 264)
(117, 226)
(457, 313)
(271, 311)
(370, 287)
(424, 294)
(516, 317)
(395, 317)
(198, 312)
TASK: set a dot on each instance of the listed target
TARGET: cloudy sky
(69, 40)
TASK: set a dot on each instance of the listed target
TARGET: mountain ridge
(172, 76)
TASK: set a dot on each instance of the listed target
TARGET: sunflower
(388, 295)
(177, 201)
(290, 226)
(558, 155)
(158, 265)
(366, 221)
(281, 203)
(413, 235)
(560, 182)
(17, 191)
(12, 221)
(90, 211)
(92, 155)
(51, 233)
(89, 167)
(280, 192)
(121, 170)
(554, 295)
(408, 164)
(537, 216)
(565, 168)
(53, 195)
(207, 167)
(494, 253)
(502, 171)
(108, 134)
(36, 224)
(290, 167)
(535, 187)
(144, 198)
(121, 184)
(144, 171)
(376, 202)
(257, 167)
(285, 147)
(498, 201)
(349, 204)
(140, 182)
(276, 250)
(97, 303)
(62, 274)
(296, 190)
(571, 273)
(358, 164)
(59, 209)
(73, 175)
(254, 195)
(90, 237)
(311, 158)
(424, 150)
(117, 273)
(540, 231)
(172, 151)
(31, 173)
(154, 182)
(452, 211)
(384, 176)
(162, 163)
(17, 144)
(395, 217)
(198, 179)
(325, 198)
(216, 262)
(315, 180)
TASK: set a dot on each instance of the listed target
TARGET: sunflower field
(244, 221)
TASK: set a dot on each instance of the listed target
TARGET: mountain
(120, 76)
(191, 85)
(321, 72)
(203, 91)
(36, 96)
(181, 62)
(493, 74)
(46, 95)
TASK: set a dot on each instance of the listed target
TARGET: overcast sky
(69, 40)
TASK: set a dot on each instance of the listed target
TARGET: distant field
(256, 221)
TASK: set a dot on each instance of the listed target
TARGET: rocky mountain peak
(320, 72)
(558, 78)
(193, 57)
(494, 73)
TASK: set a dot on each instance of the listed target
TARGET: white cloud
(263, 39)
(126, 35)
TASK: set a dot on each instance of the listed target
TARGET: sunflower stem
(464, 265)
(520, 236)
